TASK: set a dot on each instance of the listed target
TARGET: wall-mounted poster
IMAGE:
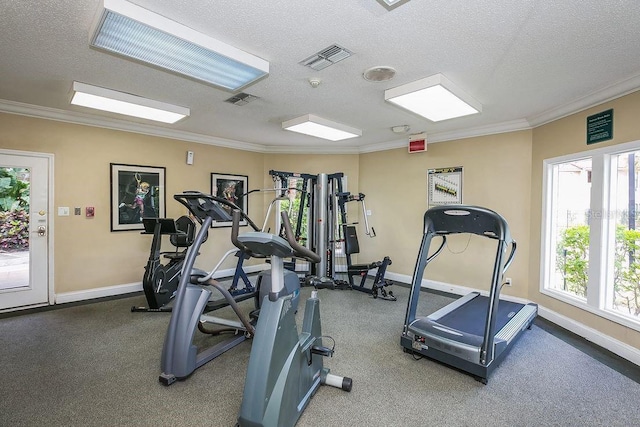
(136, 192)
(444, 186)
(232, 188)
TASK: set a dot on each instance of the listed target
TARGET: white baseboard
(626, 351)
(110, 291)
(450, 288)
(107, 291)
(623, 350)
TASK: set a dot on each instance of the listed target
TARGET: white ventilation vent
(326, 57)
(241, 99)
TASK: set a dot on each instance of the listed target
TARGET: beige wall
(496, 175)
(566, 136)
(87, 254)
(502, 172)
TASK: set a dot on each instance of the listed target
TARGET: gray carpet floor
(98, 364)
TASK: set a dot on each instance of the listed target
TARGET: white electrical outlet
(507, 281)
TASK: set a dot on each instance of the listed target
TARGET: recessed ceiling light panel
(321, 128)
(136, 33)
(113, 101)
(435, 98)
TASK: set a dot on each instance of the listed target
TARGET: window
(291, 204)
(295, 202)
(624, 295)
(570, 227)
(591, 236)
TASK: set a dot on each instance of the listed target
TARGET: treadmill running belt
(471, 317)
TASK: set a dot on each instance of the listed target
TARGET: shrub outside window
(591, 231)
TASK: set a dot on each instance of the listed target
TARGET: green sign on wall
(600, 127)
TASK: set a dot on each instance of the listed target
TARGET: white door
(24, 257)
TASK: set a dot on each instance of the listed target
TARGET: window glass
(624, 289)
(292, 206)
(571, 198)
(15, 184)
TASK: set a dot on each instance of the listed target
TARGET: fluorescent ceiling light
(321, 128)
(123, 103)
(137, 33)
(392, 4)
(435, 98)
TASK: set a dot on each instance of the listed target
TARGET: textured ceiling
(526, 61)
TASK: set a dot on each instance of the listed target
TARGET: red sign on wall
(417, 146)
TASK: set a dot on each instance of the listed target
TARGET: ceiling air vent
(326, 57)
(241, 99)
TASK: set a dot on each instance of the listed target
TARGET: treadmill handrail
(510, 258)
(437, 252)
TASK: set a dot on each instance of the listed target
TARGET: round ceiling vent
(379, 74)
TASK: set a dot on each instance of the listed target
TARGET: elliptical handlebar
(235, 231)
(298, 249)
(261, 244)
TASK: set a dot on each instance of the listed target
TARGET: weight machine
(323, 202)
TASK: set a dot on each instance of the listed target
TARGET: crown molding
(384, 146)
(75, 117)
(598, 97)
(609, 93)
(311, 149)
(503, 127)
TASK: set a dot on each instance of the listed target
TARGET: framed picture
(233, 188)
(444, 186)
(136, 192)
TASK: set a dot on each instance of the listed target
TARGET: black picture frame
(233, 188)
(137, 192)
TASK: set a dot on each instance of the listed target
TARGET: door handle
(42, 230)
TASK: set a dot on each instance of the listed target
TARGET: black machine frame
(160, 281)
(325, 193)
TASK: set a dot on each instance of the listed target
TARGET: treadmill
(474, 333)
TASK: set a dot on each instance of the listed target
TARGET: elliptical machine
(285, 368)
(180, 357)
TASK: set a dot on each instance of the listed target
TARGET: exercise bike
(285, 368)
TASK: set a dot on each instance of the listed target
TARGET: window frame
(601, 235)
